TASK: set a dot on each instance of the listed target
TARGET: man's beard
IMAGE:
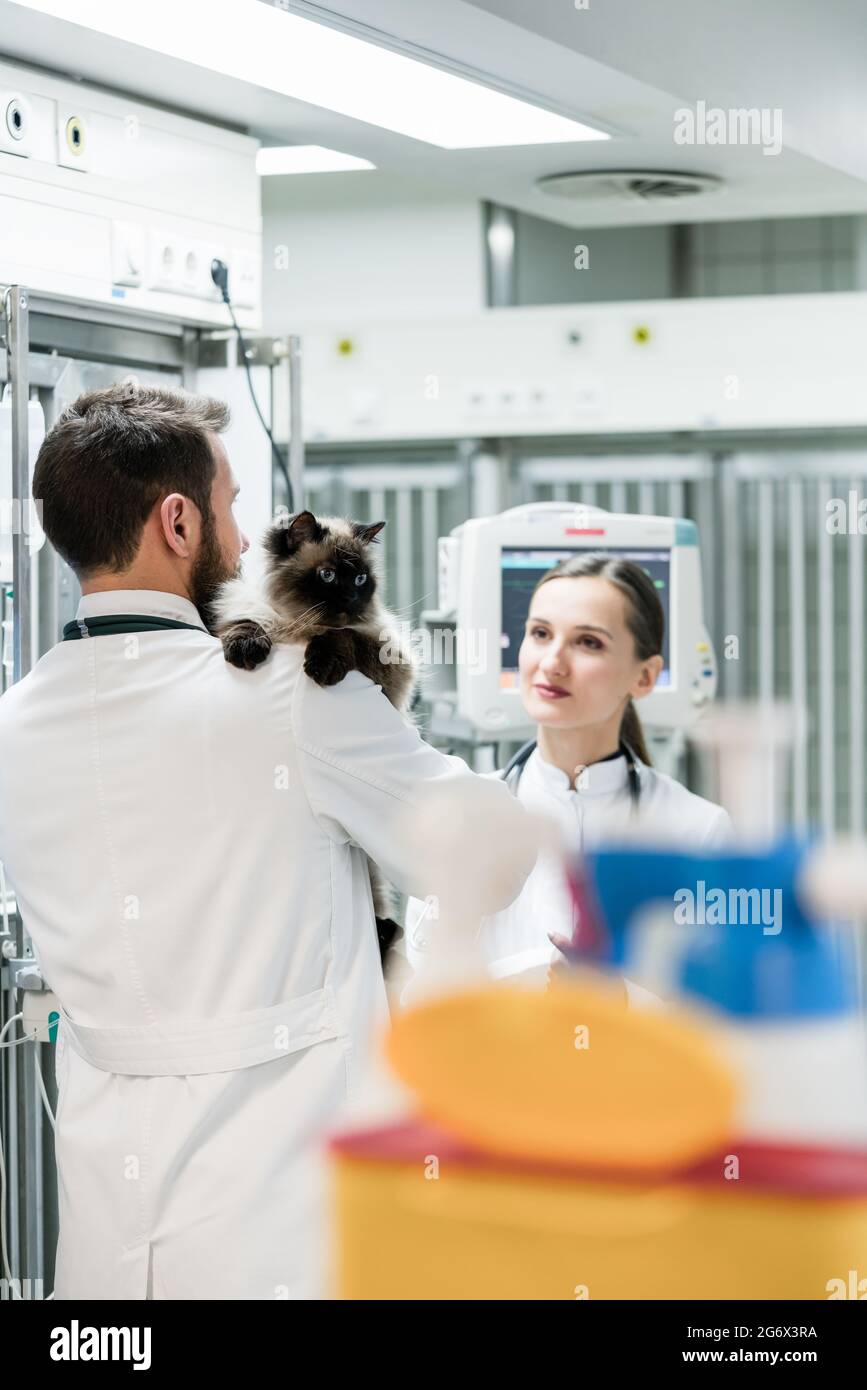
(210, 571)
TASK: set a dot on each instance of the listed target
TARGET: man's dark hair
(111, 456)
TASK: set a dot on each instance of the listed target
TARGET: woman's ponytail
(632, 733)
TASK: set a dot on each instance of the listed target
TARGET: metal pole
(798, 653)
(29, 1108)
(296, 424)
(767, 626)
(731, 495)
(856, 679)
(827, 741)
(17, 348)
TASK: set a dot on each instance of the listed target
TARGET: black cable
(220, 277)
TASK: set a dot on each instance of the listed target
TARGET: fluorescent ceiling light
(265, 46)
(306, 159)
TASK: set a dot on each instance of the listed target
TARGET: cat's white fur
(243, 600)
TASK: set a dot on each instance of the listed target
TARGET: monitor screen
(523, 567)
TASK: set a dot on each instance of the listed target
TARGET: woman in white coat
(592, 648)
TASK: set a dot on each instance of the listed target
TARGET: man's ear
(649, 675)
(174, 519)
(367, 531)
(287, 534)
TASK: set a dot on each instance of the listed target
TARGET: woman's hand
(562, 963)
(565, 963)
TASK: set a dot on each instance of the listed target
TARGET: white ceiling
(625, 64)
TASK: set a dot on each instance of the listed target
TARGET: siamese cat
(321, 589)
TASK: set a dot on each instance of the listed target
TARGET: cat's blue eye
(360, 579)
(326, 575)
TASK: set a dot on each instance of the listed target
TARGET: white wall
(248, 448)
(724, 363)
(367, 245)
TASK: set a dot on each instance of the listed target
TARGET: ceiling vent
(628, 185)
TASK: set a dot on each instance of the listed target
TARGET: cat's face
(320, 574)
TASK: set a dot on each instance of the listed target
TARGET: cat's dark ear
(366, 531)
(303, 527)
(288, 533)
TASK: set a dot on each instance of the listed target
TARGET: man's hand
(245, 645)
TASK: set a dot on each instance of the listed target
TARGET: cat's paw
(387, 931)
(246, 645)
(327, 659)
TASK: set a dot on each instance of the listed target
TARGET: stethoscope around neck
(511, 773)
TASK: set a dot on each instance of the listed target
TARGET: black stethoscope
(515, 765)
(117, 624)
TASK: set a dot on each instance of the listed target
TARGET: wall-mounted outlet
(128, 253)
(218, 251)
(478, 397)
(196, 269)
(243, 275)
(178, 264)
(246, 280)
(537, 399)
(587, 397)
(192, 269)
(16, 123)
(165, 260)
(73, 138)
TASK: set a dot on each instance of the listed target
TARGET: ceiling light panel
(267, 47)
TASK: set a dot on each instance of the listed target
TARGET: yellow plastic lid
(567, 1074)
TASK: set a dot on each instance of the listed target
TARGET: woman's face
(577, 662)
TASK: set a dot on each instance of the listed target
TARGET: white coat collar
(600, 779)
(152, 602)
